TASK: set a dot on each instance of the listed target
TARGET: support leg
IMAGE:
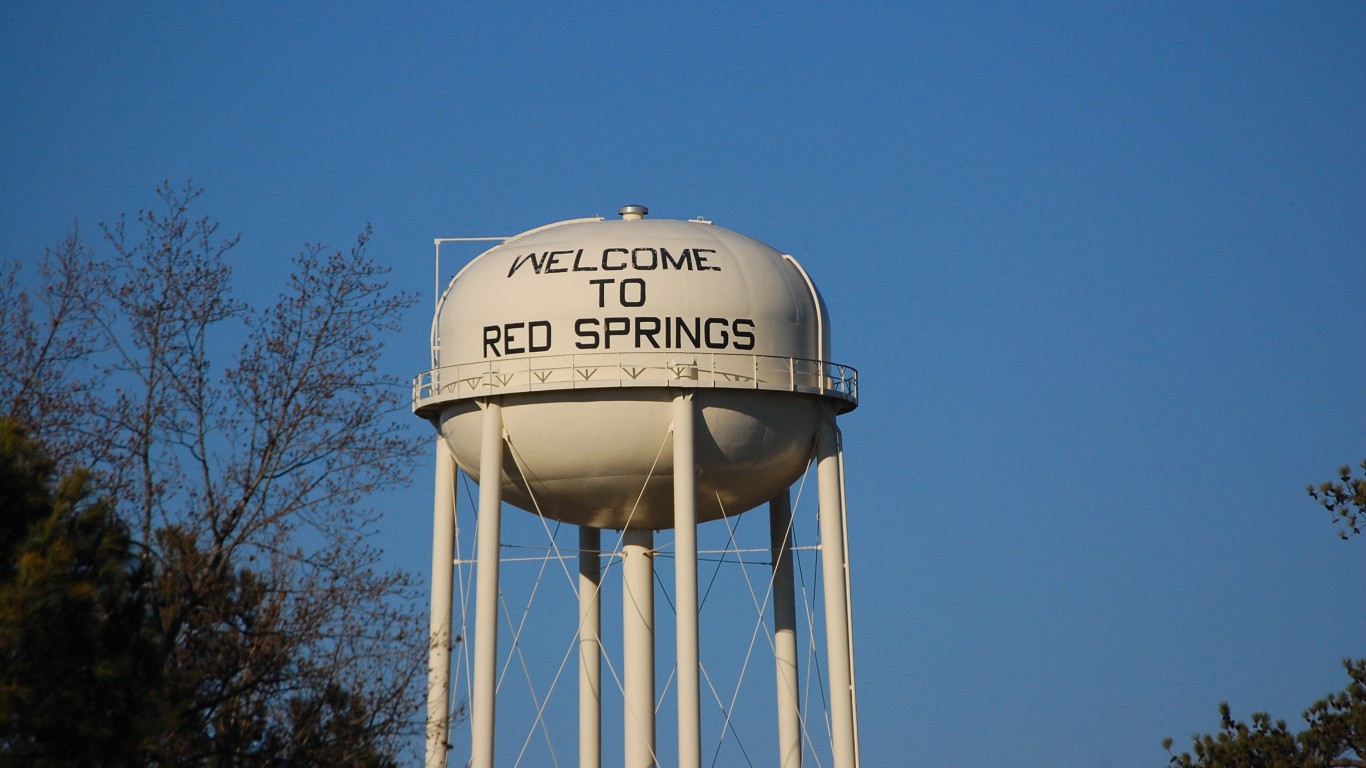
(833, 565)
(439, 652)
(785, 631)
(849, 604)
(638, 642)
(590, 648)
(486, 583)
(685, 584)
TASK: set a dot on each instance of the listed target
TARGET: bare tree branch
(242, 444)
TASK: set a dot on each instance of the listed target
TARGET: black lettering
(532, 344)
(644, 259)
(653, 263)
(644, 323)
(553, 258)
(682, 330)
(536, 263)
(614, 326)
(640, 298)
(492, 335)
(577, 268)
(713, 342)
(602, 284)
(744, 339)
(586, 328)
(508, 349)
(684, 259)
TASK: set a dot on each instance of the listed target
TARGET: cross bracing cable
(559, 555)
(730, 556)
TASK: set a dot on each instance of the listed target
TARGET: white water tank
(587, 329)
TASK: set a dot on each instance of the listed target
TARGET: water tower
(636, 375)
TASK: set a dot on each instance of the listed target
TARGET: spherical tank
(587, 330)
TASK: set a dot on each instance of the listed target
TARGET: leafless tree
(48, 340)
(242, 445)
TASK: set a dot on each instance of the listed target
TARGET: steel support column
(833, 565)
(785, 631)
(439, 637)
(486, 585)
(685, 583)
(590, 647)
(638, 646)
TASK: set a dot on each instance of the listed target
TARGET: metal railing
(597, 370)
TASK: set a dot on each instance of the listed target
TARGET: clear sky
(1101, 267)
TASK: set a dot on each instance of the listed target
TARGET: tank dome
(587, 329)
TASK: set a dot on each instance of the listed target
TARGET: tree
(241, 445)
(80, 658)
(1345, 500)
(242, 691)
(85, 677)
(48, 335)
(1336, 736)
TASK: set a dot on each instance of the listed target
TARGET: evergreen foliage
(1335, 736)
(80, 656)
(1345, 500)
(1336, 732)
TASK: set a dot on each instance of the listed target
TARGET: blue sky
(1100, 265)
